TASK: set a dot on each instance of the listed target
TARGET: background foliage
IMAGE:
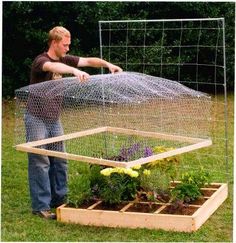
(26, 24)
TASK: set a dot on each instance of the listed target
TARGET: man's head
(59, 40)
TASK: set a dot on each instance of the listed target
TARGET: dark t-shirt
(44, 100)
(38, 75)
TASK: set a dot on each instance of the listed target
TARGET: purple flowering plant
(128, 153)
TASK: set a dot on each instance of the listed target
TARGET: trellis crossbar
(195, 143)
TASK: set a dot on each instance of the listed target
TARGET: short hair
(57, 33)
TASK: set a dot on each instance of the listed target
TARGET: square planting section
(151, 215)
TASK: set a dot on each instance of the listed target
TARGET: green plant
(167, 166)
(190, 187)
(96, 179)
(162, 172)
(119, 184)
(185, 192)
(117, 188)
(198, 178)
(157, 181)
(79, 189)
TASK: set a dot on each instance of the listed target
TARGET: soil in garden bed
(212, 186)
(144, 196)
(110, 207)
(186, 210)
(84, 205)
(207, 193)
(174, 184)
(143, 207)
(199, 201)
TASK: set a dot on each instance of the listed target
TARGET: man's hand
(61, 68)
(113, 68)
(98, 62)
(82, 76)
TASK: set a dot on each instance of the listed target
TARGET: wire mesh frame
(217, 66)
(150, 107)
(193, 144)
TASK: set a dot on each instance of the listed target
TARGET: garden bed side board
(156, 220)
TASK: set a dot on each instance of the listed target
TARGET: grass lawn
(18, 224)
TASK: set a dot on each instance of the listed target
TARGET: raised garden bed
(151, 215)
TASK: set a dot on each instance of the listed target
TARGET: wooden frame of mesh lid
(195, 143)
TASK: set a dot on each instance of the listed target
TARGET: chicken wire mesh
(142, 106)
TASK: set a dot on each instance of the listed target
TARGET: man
(48, 175)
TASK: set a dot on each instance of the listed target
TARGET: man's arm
(98, 62)
(57, 67)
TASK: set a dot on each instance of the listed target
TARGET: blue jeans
(47, 175)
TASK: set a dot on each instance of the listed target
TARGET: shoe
(57, 204)
(46, 214)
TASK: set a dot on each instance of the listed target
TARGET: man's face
(62, 47)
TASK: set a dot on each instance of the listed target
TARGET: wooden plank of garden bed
(124, 219)
(161, 208)
(126, 206)
(155, 220)
(94, 205)
(210, 206)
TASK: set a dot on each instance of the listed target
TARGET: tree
(25, 27)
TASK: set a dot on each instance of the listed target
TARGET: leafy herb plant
(190, 187)
(198, 178)
(79, 189)
(185, 192)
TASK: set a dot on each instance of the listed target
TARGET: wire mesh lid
(113, 88)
